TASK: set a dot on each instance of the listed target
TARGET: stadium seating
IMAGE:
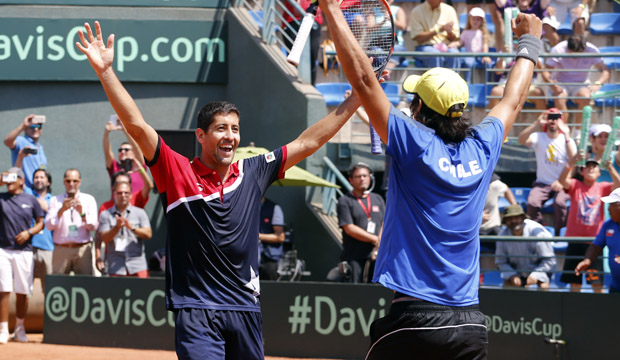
(477, 95)
(333, 92)
(492, 278)
(550, 229)
(611, 62)
(548, 206)
(610, 101)
(489, 20)
(391, 90)
(566, 28)
(605, 24)
(502, 203)
(521, 194)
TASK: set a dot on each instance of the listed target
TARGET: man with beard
(524, 263)
(549, 138)
(42, 242)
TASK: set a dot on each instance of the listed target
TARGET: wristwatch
(30, 232)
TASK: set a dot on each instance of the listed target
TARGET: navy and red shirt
(211, 244)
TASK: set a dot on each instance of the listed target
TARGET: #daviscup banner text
(144, 50)
(327, 320)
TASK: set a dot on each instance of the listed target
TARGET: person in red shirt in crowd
(586, 216)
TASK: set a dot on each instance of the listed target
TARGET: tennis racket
(372, 24)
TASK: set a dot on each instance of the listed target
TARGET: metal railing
(269, 15)
(330, 195)
(560, 256)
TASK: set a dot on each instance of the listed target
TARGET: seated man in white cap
(524, 263)
(608, 236)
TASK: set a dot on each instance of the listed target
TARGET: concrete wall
(274, 111)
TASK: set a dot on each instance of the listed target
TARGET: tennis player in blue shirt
(439, 178)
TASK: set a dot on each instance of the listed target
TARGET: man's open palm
(99, 55)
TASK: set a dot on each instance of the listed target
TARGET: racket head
(372, 24)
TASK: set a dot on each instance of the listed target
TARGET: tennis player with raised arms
(439, 178)
(211, 206)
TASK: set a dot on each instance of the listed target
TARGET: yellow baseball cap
(439, 88)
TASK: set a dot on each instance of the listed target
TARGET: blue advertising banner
(145, 50)
(152, 3)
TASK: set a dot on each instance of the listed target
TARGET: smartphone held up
(38, 119)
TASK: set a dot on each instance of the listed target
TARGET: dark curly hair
(449, 129)
(208, 112)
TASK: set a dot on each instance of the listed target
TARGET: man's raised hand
(99, 55)
(527, 24)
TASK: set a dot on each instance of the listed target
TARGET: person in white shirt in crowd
(72, 216)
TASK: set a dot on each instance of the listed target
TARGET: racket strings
(372, 25)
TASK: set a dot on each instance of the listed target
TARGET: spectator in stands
(360, 215)
(553, 147)
(536, 7)
(491, 217)
(475, 38)
(433, 26)
(609, 236)
(27, 147)
(124, 228)
(400, 26)
(138, 198)
(559, 10)
(490, 8)
(270, 239)
(560, 92)
(130, 158)
(42, 243)
(586, 215)
(292, 26)
(524, 263)
(72, 216)
(18, 212)
(535, 94)
(598, 135)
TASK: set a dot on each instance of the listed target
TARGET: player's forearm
(318, 134)
(129, 113)
(9, 140)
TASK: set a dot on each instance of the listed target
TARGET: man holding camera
(17, 211)
(124, 228)
(72, 216)
(130, 158)
(27, 147)
(550, 139)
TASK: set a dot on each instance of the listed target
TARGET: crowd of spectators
(45, 234)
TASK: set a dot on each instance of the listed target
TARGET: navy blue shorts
(423, 330)
(218, 334)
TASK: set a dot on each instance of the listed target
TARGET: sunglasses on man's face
(36, 126)
(124, 149)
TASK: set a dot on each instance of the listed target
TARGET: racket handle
(375, 141)
(300, 41)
